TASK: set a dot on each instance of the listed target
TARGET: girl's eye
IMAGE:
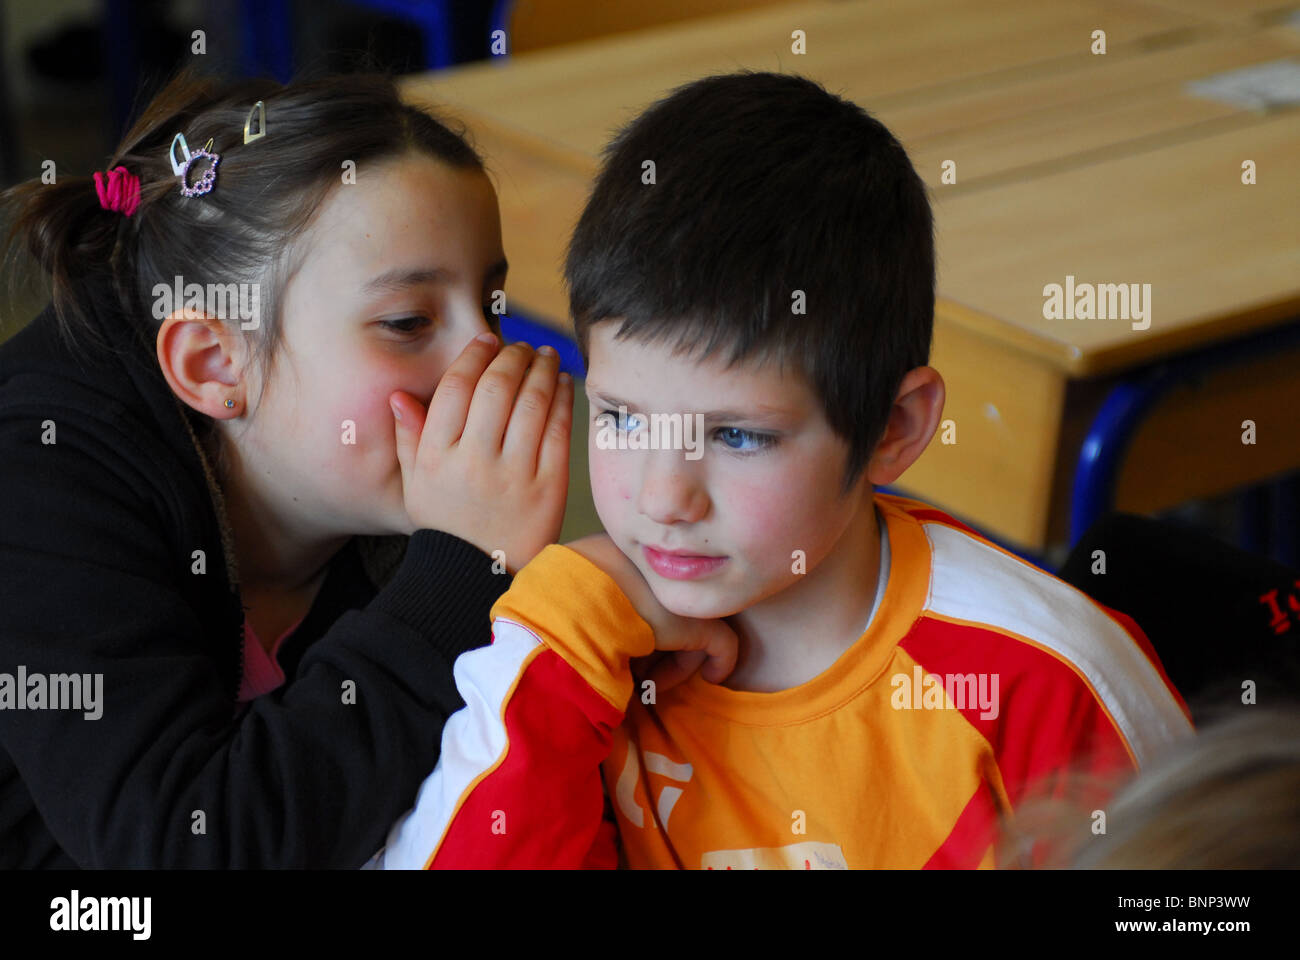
(744, 441)
(406, 325)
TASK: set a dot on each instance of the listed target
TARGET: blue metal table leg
(1103, 450)
(1122, 412)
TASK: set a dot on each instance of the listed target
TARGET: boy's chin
(695, 600)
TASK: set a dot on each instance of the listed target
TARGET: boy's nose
(670, 490)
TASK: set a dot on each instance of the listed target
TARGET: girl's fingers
(494, 398)
(532, 410)
(408, 422)
(451, 400)
(553, 450)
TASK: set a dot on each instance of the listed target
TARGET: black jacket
(1216, 616)
(97, 537)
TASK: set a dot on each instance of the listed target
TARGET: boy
(757, 257)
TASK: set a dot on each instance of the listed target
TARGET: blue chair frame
(501, 13)
(520, 326)
(1126, 407)
(267, 38)
(268, 34)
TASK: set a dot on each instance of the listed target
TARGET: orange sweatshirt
(981, 681)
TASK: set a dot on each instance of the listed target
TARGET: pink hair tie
(121, 193)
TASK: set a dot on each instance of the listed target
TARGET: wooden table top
(1103, 168)
(1222, 257)
(1245, 13)
(576, 95)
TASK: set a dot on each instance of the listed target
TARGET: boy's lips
(681, 564)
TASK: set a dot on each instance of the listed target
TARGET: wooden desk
(1102, 168)
(573, 97)
(541, 119)
(1245, 14)
(1082, 114)
(1222, 259)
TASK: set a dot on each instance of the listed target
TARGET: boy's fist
(692, 643)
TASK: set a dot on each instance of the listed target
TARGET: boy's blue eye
(621, 423)
(744, 441)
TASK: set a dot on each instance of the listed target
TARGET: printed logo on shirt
(628, 798)
(655, 764)
(808, 855)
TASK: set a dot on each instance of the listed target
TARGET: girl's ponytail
(65, 230)
(68, 235)
(267, 193)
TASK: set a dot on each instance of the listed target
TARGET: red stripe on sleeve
(543, 805)
(972, 835)
(1050, 723)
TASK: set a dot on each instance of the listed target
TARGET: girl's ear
(912, 422)
(204, 362)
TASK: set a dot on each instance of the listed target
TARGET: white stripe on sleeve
(973, 582)
(473, 740)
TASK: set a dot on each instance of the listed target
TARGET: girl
(236, 561)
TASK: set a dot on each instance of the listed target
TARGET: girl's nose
(472, 318)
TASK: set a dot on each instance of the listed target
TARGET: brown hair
(267, 192)
(772, 188)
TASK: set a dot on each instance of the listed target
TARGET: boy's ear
(913, 419)
(203, 362)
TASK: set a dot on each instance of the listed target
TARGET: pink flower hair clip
(182, 169)
(120, 192)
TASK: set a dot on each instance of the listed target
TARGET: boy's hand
(692, 642)
(489, 460)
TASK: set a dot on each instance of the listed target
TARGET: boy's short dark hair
(765, 184)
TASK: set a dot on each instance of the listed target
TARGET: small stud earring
(230, 404)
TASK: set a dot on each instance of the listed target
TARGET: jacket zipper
(239, 666)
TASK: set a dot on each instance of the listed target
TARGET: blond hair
(1228, 798)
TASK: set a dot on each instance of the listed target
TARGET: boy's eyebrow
(760, 414)
(403, 278)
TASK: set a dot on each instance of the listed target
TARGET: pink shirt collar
(262, 671)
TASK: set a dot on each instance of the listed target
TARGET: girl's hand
(691, 642)
(489, 460)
